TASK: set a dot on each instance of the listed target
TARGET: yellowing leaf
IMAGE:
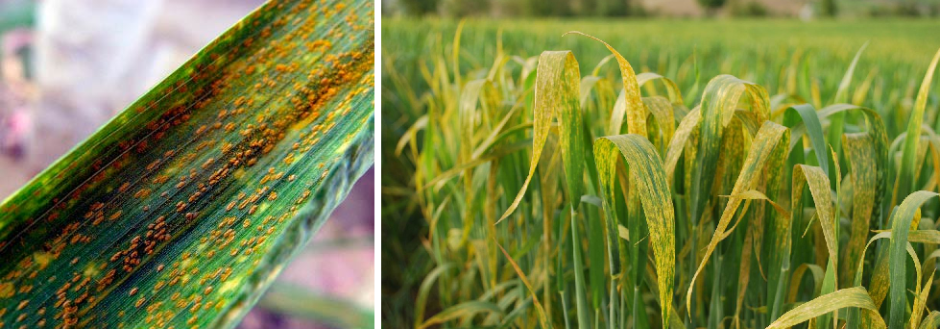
(851, 297)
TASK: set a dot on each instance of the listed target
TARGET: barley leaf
(859, 149)
(719, 102)
(932, 321)
(463, 310)
(901, 225)
(828, 303)
(879, 138)
(649, 177)
(768, 147)
(557, 89)
(837, 125)
(908, 176)
(804, 117)
(635, 110)
(182, 209)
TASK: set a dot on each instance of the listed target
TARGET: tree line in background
(551, 8)
(569, 8)
(623, 8)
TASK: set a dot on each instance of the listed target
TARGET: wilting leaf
(634, 110)
(932, 321)
(649, 177)
(556, 96)
(535, 298)
(466, 309)
(182, 209)
(907, 176)
(768, 147)
(425, 289)
(851, 297)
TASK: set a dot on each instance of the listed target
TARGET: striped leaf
(182, 209)
(851, 297)
(649, 177)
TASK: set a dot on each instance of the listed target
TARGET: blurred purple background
(67, 66)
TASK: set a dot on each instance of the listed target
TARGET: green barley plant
(181, 210)
(559, 195)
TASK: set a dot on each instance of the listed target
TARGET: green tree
(612, 8)
(829, 8)
(419, 7)
(750, 9)
(461, 8)
(711, 6)
(550, 8)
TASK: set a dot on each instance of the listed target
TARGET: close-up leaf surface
(181, 210)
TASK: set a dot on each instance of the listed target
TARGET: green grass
(739, 174)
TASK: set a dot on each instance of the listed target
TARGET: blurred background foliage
(67, 66)
(806, 9)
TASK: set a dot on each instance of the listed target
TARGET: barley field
(660, 174)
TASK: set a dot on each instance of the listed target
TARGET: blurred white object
(86, 56)
(807, 12)
(95, 57)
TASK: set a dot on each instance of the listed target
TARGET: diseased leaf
(182, 209)
(646, 171)
(851, 297)
(634, 108)
(768, 147)
(466, 309)
(680, 139)
(542, 317)
(557, 90)
(932, 321)
(908, 175)
(861, 154)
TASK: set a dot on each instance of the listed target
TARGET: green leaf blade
(183, 208)
(906, 177)
(901, 225)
